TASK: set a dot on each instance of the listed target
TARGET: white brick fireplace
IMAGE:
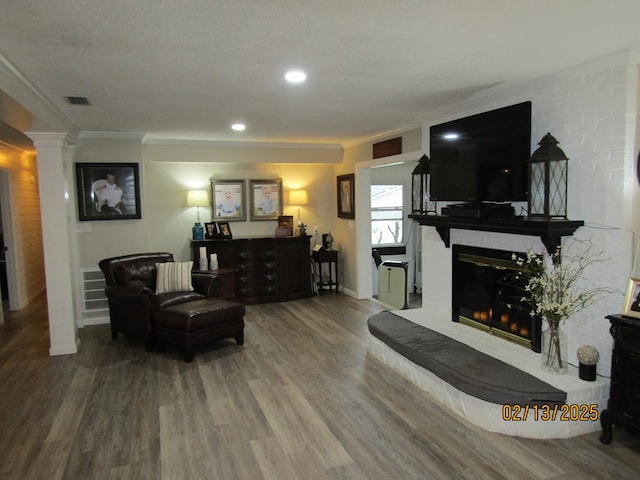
(592, 111)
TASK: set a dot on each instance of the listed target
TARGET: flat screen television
(483, 157)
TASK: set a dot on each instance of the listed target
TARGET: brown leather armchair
(131, 293)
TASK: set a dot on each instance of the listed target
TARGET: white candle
(213, 261)
(203, 263)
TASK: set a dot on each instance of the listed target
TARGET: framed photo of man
(108, 191)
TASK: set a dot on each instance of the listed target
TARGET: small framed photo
(225, 230)
(108, 191)
(632, 299)
(285, 226)
(228, 198)
(346, 196)
(266, 199)
(210, 230)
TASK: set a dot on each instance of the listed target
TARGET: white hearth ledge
(479, 412)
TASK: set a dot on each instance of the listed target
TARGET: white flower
(550, 284)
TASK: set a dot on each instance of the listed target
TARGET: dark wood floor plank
(301, 399)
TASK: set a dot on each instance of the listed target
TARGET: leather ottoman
(191, 324)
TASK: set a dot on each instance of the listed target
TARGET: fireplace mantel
(549, 231)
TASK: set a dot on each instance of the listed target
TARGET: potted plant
(588, 357)
(553, 287)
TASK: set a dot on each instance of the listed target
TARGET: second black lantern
(548, 167)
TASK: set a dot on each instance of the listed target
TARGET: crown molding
(240, 144)
(111, 135)
(16, 85)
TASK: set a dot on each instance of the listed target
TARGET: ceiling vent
(78, 100)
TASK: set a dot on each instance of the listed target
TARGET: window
(386, 215)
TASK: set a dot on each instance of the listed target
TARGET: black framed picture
(210, 230)
(346, 195)
(108, 191)
(225, 230)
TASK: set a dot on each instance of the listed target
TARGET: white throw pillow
(174, 277)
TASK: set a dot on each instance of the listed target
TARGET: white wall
(591, 111)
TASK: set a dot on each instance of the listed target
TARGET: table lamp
(299, 197)
(197, 198)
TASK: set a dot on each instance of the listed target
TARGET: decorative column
(55, 214)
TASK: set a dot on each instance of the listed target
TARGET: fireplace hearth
(486, 296)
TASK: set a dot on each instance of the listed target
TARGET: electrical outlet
(315, 229)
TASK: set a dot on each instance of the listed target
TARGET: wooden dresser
(623, 407)
(269, 269)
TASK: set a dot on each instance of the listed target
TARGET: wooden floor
(300, 400)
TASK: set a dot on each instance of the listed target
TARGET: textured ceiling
(187, 70)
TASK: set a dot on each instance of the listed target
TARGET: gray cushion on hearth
(463, 367)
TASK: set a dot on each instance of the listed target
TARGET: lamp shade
(298, 197)
(197, 198)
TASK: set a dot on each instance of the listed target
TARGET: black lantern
(420, 203)
(548, 168)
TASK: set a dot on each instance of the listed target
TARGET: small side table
(227, 278)
(330, 257)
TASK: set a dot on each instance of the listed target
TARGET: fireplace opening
(486, 295)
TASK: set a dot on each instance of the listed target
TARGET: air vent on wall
(78, 100)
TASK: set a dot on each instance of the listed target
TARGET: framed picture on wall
(108, 191)
(346, 196)
(266, 199)
(631, 306)
(228, 198)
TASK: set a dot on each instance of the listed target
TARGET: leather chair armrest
(206, 284)
(127, 294)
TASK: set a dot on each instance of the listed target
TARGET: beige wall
(169, 220)
(168, 171)
(18, 158)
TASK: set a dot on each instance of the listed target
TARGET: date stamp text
(574, 412)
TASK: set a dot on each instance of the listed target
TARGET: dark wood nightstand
(331, 258)
(227, 281)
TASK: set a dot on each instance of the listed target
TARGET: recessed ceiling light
(238, 127)
(295, 76)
